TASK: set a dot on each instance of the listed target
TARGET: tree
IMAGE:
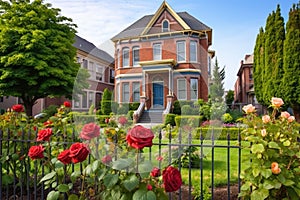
(106, 102)
(218, 106)
(217, 88)
(229, 97)
(37, 58)
(259, 65)
(291, 78)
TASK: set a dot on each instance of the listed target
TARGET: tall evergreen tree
(274, 39)
(259, 65)
(291, 79)
(37, 57)
(217, 88)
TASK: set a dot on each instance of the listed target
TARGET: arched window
(165, 26)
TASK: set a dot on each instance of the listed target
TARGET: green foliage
(37, 56)
(217, 132)
(176, 108)
(134, 105)
(273, 172)
(170, 119)
(106, 106)
(130, 114)
(197, 193)
(235, 114)
(229, 98)
(226, 118)
(217, 110)
(291, 77)
(217, 88)
(186, 110)
(50, 110)
(188, 120)
(123, 109)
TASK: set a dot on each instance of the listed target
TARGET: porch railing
(139, 112)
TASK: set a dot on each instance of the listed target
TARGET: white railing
(138, 113)
(168, 108)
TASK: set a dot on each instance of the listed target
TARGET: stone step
(154, 116)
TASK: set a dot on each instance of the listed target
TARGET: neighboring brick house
(244, 85)
(162, 55)
(101, 68)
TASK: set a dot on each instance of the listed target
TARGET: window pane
(181, 89)
(193, 51)
(136, 91)
(91, 98)
(84, 100)
(180, 51)
(165, 26)
(125, 57)
(157, 52)
(99, 73)
(136, 55)
(194, 89)
(125, 92)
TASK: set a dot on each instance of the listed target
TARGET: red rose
(106, 120)
(18, 108)
(155, 172)
(36, 152)
(149, 187)
(89, 131)
(139, 137)
(78, 152)
(67, 104)
(172, 179)
(64, 157)
(106, 159)
(44, 134)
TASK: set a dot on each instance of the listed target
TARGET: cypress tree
(291, 79)
(258, 66)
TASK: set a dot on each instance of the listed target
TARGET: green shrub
(226, 118)
(235, 114)
(114, 107)
(106, 102)
(170, 119)
(102, 118)
(50, 110)
(123, 109)
(130, 114)
(190, 120)
(176, 108)
(218, 133)
(186, 110)
(134, 106)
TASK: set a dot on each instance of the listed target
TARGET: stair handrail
(168, 108)
(138, 113)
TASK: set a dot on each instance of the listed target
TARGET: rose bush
(272, 168)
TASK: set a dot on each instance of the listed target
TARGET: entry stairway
(151, 116)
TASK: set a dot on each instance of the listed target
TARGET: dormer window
(165, 26)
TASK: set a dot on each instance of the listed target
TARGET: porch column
(144, 83)
(170, 82)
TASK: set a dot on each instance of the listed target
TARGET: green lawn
(220, 163)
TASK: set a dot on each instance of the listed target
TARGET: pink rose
(249, 108)
(291, 119)
(106, 159)
(263, 132)
(123, 120)
(266, 119)
(89, 131)
(277, 102)
(285, 115)
(149, 187)
(139, 137)
(44, 134)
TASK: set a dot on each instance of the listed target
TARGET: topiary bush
(186, 110)
(170, 119)
(188, 120)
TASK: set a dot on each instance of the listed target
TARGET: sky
(235, 23)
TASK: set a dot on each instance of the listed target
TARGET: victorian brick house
(162, 56)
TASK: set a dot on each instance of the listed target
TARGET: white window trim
(196, 53)
(178, 89)
(156, 44)
(191, 89)
(123, 92)
(177, 42)
(133, 49)
(123, 54)
(162, 26)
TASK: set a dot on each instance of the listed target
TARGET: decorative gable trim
(165, 6)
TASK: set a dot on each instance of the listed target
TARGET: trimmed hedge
(191, 120)
(219, 133)
(170, 119)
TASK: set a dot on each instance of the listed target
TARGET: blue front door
(158, 94)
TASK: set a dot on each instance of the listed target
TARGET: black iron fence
(210, 167)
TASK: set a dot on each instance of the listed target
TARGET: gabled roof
(91, 49)
(141, 26)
